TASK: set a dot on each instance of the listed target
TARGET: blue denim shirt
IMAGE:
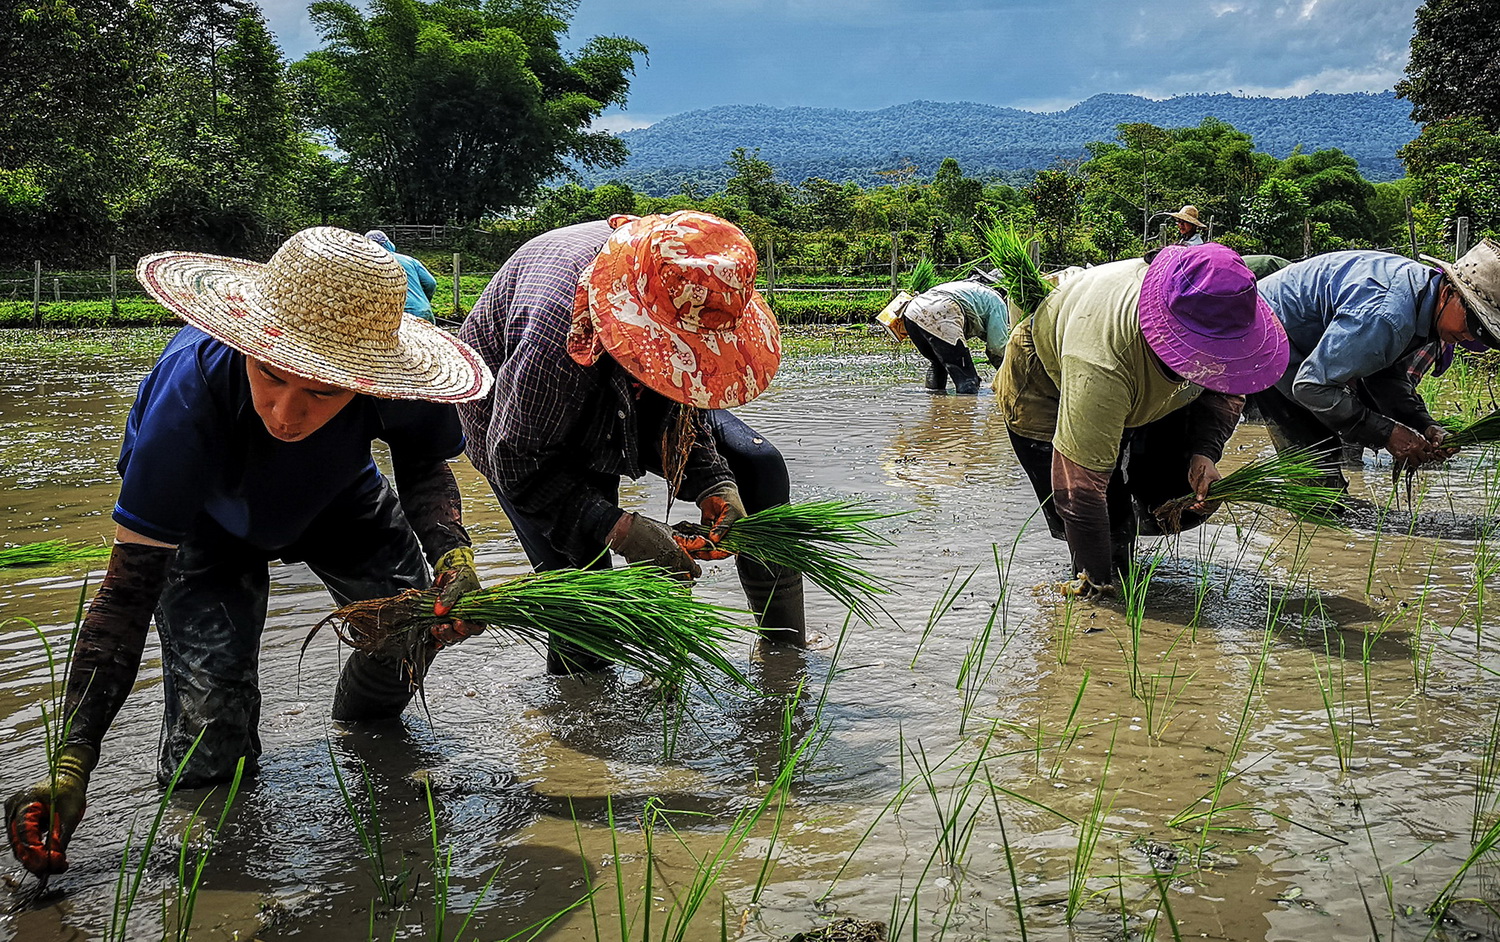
(1348, 317)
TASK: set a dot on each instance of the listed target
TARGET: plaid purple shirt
(551, 427)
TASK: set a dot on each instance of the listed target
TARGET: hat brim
(1479, 306)
(707, 369)
(1198, 223)
(1235, 365)
(220, 296)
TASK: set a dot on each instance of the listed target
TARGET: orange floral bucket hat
(672, 299)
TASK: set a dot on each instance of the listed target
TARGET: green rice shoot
(51, 553)
(1484, 430)
(923, 276)
(1020, 277)
(1284, 481)
(819, 540)
(639, 617)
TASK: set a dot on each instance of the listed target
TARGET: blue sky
(1042, 56)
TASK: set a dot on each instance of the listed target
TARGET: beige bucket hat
(1189, 214)
(1477, 278)
(328, 307)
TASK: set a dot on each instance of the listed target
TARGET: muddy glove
(40, 820)
(643, 540)
(455, 578)
(721, 506)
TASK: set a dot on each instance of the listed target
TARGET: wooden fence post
(1461, 238)
(770, 267)
(36, 296)
(457, 265)
(1306, 237)
(1034, 249)
(895, 262)
(114, 295)
(1210, 236)
(1411, 228)
(56, 290)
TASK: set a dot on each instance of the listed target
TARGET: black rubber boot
(376, 688)
(775, 596)
(937, 379)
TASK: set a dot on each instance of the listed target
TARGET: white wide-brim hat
(1476, 277)
(329, 307)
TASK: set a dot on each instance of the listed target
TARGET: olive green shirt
(1078, 372)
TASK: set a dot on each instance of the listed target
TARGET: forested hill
(987, 140)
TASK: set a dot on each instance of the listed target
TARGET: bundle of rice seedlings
(1283, 480)
(1020, 276)
(50, 553)
(1484, 430)
(638, 617)
(923, 276)
(815, 539)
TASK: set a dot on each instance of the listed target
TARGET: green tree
(453, 108)
(828, 205)
(1452, 69)
(753, 184)
(1276, 216)
(1055, 194)
(958, 195)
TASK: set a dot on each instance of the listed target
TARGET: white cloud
(615, 123)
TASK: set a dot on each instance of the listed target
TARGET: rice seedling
(442, 880)
(51, 553)
(1487, 844)
(1090, 828)
(637, 617)
(1161, 692)
(941, 607)
(1065, 629)
(1333, 703)
(1486, 779)
(817, 539)
(1463, 433)
(391, 885)
(1283, 480)
(190, 875)
(1010, 859)
(1020, 277)
(1135, 584)
(923, 276)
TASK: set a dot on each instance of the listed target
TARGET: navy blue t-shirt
(194, 444)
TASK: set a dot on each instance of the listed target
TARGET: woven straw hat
(1189, 214)
(1477, 278)
(672, 299)
(328, 307)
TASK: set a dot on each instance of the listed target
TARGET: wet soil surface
(1294, 736)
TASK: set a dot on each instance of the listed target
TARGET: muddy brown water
(1349, 748)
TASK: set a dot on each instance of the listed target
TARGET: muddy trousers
(213, 611)
(774, 594)
(1151, 470)
(945, 360)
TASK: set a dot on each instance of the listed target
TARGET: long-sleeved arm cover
(1079, 495)
(1211, 419)
(1352, 348)
(1393, 392)
(107, 655)
(430, 498)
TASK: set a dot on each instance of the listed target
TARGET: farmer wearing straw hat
(1189, 227)
(1362, 325)
(618, 348)
(250, 441)
(1121, 390)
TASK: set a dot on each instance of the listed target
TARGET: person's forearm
(1079, 496)
(1393, 392)
(1211, 419)
(433, 506)
(107, 655)
(1343, 413)
(705, 466)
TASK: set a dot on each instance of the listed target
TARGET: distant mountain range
(989, 141)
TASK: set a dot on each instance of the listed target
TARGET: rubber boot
(937, 379)
(373, 688)
(775, 596)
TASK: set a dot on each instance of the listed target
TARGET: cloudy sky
(1041, 55)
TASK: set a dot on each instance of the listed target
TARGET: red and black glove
(40, 820)
(721, 506)
(455, 578)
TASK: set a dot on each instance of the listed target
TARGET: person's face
(291, 407)
(1452, 318)
(1185, 228)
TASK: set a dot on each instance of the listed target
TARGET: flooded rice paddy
(1293, 735)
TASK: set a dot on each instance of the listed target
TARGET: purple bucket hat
(1201, 314)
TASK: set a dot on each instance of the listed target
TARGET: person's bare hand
(1411, 450)
(1436, 434)
(1202, 473)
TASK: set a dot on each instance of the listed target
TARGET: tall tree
(1454, 67)
(454, 108)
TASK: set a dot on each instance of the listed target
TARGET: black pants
(1292, 426)
(1152, 469)
(945, 360)
(758, 467)
(213, 611)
